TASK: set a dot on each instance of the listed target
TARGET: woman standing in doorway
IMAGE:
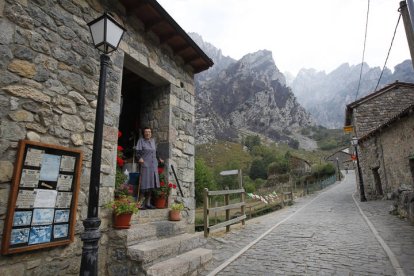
(148, 160)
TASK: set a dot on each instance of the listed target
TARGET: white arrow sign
(231, 172)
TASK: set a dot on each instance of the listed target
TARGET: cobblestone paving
(326, 236)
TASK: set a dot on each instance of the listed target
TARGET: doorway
(377, 180)
(135, 98)
(412, 168)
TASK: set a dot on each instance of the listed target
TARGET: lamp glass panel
(354, 141)
(113, 33)
(97, 31)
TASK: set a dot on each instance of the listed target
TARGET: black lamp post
(339, 171)
(354, 142)
(106, 35)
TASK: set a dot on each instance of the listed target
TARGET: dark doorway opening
(377, 180)
(412, 168)
(135, 95)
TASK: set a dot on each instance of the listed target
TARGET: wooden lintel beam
(152, 23)
(191, 58)
(180, 50)
(165, 38)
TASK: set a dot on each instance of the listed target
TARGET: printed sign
(30, 178)
(43, 198)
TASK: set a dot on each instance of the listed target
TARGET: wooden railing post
(227, 202)
(243, 207)
(206, 218)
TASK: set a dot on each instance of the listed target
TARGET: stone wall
(389, 151)
(48, 86)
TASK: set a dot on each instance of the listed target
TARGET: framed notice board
(43, 197)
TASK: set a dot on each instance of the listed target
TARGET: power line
(363, 52)
(389, 50)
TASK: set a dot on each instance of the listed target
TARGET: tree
(251, 141)
(258, 169)
(203, 179)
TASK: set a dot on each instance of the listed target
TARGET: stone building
(383, 123)
(299, 166)
(49, 73)
(341, 158)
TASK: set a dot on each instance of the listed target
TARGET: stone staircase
(154, 246)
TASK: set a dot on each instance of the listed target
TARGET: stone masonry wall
(390, 151)
(49, 75)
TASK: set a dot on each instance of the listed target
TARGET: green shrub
(203, 179)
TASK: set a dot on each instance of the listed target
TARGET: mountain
(325, 96)
(246, 96)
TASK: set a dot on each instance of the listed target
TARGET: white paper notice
(63, 200)
(45, 198)
(34, 157)
(50, 167)
(30, 178)
(68, 163)
(64, 182)
(25, 199)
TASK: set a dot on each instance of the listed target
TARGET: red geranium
(160, 170)
(119, 161)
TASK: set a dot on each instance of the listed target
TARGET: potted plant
(175, 211)
(123, 208)
(123, 190)
(161, 194)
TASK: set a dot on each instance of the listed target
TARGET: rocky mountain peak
(246, 95)
(325, 96)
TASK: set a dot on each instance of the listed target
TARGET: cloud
(319, 34)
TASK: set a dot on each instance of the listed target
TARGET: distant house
(384, 124)
(344, 159)
(299, 166)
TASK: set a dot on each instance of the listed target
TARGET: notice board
(43, 197)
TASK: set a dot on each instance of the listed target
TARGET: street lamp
(339, 172)
(106, 35)
(354, 142)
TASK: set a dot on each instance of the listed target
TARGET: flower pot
(122, 221)
(175, 215)
(160, 202)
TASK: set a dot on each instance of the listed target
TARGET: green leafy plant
(123, 190)
(164, 189)
(124, 205)
(177, 206)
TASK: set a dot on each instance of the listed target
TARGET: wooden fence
(226, 207)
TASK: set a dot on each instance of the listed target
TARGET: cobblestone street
(321, 234)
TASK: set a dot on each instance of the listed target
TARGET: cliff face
(325, 96)
(245, 95)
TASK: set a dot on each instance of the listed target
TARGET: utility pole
(407, 13)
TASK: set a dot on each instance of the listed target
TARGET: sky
(320, 34)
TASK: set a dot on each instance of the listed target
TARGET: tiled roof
(373, 111)
(158, 21)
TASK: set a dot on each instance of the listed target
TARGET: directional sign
(231, 172)
(348, 129)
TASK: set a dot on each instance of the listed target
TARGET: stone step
(158, 250)
(150, 231)
(150, 215)
(184, 264)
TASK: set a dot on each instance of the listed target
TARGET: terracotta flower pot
(160, 202)
(122, 221)
(175, 215)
